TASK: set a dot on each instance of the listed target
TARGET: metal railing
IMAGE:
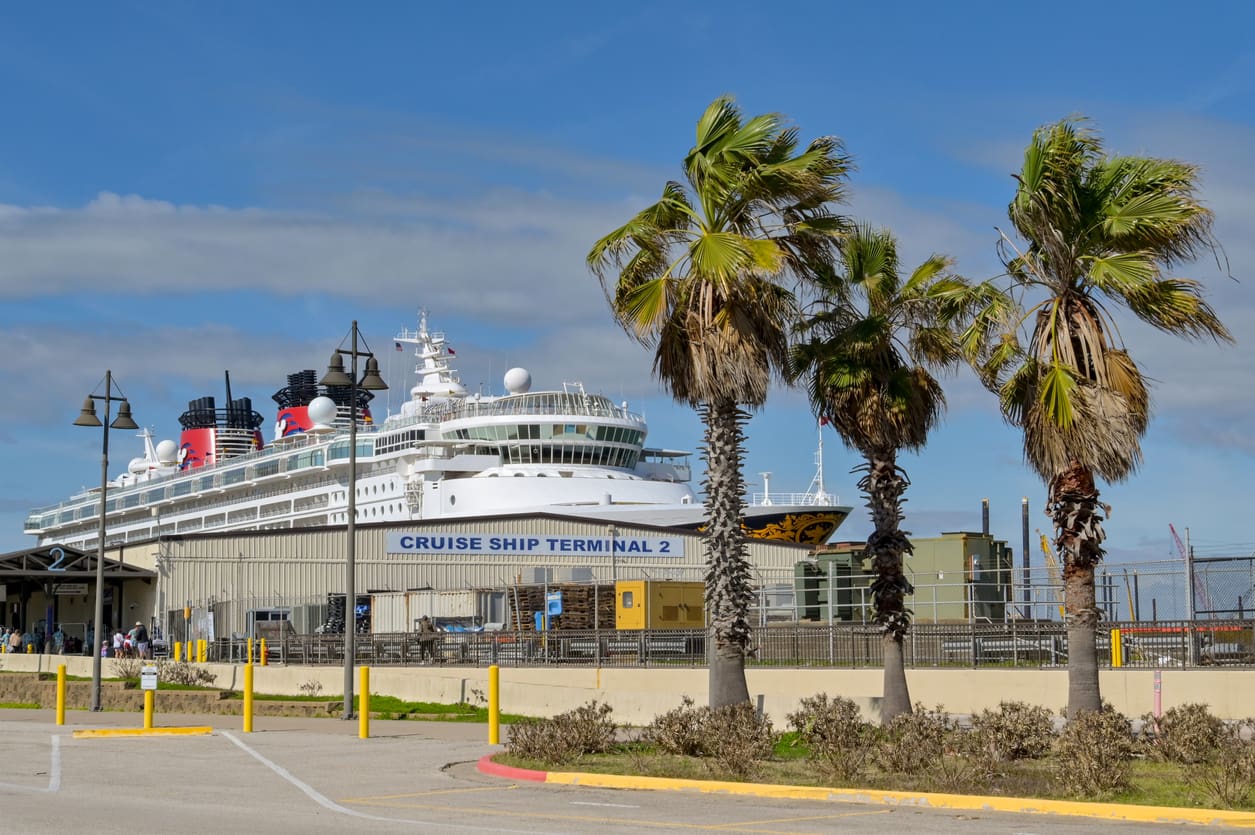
(1017, 644)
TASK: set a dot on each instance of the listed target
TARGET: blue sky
(187, 188)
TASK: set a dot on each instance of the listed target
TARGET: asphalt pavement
(316, 775)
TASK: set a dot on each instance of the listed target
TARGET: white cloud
(501, 255)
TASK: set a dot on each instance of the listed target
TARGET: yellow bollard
(250, 651)
(148, 709)
(178, 652)
(363, 706)
(264, 659)
(248, 698)
(60, 694)
(494, 705)
(202, 650)
(1117, 649)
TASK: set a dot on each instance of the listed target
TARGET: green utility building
(958, 577)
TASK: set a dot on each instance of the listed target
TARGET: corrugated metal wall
(270, 569)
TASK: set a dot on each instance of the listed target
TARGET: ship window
(154, 495)
(206, 483)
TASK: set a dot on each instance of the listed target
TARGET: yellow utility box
(659, 604)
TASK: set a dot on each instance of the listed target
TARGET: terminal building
(217, 585)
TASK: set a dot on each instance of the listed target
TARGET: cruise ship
(448, 454)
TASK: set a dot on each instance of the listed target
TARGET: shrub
(1188, 734)
(913, 742)
(180, 672)
(840, 741)
(681, 731)
(1093, 754)
(127, 668)
(737, 738)
(1227, 780)
(1017, 731)
(312, 687)
(566, 737)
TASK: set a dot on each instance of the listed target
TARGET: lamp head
(87, 417)
(124, 419)
(371, 381)
(335, 375)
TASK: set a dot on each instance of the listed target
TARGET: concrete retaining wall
(639, 694)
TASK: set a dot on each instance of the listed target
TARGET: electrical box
(659, 604)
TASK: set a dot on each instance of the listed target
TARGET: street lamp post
(87, 417)
(371, 381)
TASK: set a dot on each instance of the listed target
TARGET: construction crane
(1052, 567)
(1199, 587)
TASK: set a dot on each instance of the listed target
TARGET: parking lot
(315, 775)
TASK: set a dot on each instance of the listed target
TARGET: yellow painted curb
(932, 800)
(186, 731)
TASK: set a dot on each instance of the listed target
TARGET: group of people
(13, 639)
(132, 644)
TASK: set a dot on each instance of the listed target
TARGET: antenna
(766, 488)
(817, 494)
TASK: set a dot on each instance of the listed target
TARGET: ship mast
(816, 494)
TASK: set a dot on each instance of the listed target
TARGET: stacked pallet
(583, 606)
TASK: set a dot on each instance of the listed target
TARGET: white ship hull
(446, 456)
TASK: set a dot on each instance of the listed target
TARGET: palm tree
(698, 280)
(870, 343)
(1100, 231)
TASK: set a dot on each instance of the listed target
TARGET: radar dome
(322, 411)
(167, 452)
(518, 381)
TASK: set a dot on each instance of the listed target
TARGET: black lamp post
(371, 381)
(87, 417)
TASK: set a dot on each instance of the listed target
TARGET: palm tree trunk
(728, 592)
(1075, 508)
(884, 485)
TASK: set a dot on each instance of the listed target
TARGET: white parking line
(327, 803)
(54, 773)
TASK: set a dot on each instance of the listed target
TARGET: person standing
(118, 642)
(426, 640)
(58, 641)
(139, 639)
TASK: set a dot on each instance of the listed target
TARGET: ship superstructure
(446, 454)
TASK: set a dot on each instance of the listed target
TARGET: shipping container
(389, 612)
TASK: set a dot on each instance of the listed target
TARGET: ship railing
(571, 405)
(117, 493)
(805, 499)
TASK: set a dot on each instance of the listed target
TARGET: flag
(400, 347)
(452, 352)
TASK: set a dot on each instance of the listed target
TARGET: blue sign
(553, 603)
